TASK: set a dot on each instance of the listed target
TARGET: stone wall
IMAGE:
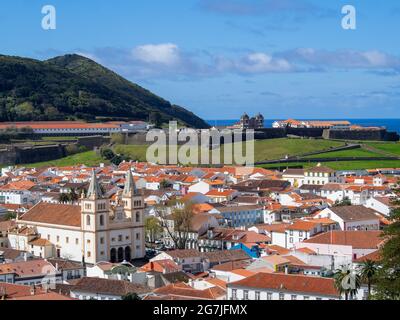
(362, 135)
(93, 142)
(19, 155)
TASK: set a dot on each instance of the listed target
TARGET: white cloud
(342, 58)
(167, 60)
(166, 54)
(263, 63)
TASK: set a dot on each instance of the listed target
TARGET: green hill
(75, 87)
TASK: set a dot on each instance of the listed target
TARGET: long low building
(265, 286)
(77, 127)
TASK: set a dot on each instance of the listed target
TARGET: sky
(221, 58)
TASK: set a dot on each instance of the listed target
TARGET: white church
(91, 232)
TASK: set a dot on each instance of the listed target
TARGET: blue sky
(219, 58)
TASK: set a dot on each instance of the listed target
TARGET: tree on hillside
(107, 153)
(155, 118)
(388, 277)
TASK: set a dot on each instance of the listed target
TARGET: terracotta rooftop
(57, 214)
(183, 290)
(289, 283)
(356, 239)
(354, 213)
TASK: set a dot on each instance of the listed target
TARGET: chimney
(25, 256)
(56, 266)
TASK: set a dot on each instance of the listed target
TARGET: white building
(352, 217)
(337, 248)
(270, 286)
(91, 232)
(320, 175)
(381, 204)
(294, 176)
(293, 233)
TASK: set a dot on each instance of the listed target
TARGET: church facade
(256, 122)
(93, 231)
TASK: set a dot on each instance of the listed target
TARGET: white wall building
(93, 231)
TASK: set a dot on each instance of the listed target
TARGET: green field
(339, 165)
(280, 148)
(388, 147)
(89, 158)
(347, 153)
(135, 152)
(267, 150)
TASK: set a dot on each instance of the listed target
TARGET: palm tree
(368, 270)
(347, 282)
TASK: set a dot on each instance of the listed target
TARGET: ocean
(390, 124)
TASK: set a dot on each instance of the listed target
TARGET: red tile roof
(289, 283)
(183, 290)
(356, 239)
(57, 214)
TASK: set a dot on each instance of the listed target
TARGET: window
(127, 238)
(67, 239)
(257, 295)
(88, 220)
(234, 294)
(88, 241)
(281, 296)
(246, 294)
(101, 220)
(48, 237)
(137, 236)
(58, 238)
(120, 238)
(137, 216)
(306, 298)
(294, 297)
(101, 240)
(76, 241)
(89, 254)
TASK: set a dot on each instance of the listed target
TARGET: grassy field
(265, 150)
(280, 148)
(347, 153)
(388, 147)
(339, 165)
(89, 158)
(135, 152)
